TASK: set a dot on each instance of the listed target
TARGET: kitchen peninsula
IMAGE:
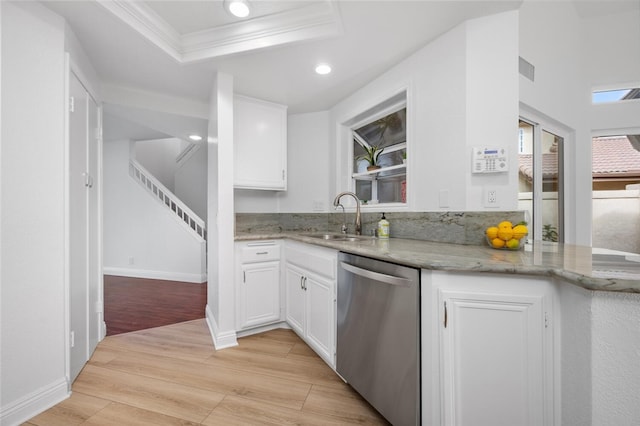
(579, 265)
(570, 313)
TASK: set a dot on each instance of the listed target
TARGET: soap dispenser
(383, 228)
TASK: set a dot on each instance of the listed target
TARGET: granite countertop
(589, 268)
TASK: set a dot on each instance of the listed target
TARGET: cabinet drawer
(259, 252)
(313, 259)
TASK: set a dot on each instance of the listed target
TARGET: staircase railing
(181, 212)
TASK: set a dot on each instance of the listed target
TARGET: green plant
(371, 154)
(549, 233)
(404, 155)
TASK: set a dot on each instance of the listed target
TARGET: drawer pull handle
(262, 252)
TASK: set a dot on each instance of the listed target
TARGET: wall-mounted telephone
(489, 160)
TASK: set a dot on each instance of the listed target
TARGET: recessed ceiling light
(323, 69)
(238, 8)
(195, 137)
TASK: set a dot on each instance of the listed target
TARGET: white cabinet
(260, 144)
(495, 340)
(310, 287)
(257, 284)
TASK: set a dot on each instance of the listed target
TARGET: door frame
(541, 123)
(95, 306)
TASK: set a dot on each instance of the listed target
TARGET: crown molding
(149, 24)
(318, 20)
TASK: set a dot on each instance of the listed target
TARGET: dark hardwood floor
(132, 304)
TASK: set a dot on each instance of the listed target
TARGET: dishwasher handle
(377, 276)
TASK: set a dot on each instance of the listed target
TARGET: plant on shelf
(371, 155)
(549, 233)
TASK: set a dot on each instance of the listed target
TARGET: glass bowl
(512, 246)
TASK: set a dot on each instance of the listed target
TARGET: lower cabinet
(257, 284)
(310, 288)
(495, 340)
(302, 293)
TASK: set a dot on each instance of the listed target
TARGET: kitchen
(444, 166)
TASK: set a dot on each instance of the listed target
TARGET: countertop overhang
(580, 265)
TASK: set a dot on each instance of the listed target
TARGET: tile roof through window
(611, 157)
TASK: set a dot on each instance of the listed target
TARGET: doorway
(541, 178)
(85, 283)
(132, 304)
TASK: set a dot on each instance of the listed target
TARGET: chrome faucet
(336, 203)
(343, 228)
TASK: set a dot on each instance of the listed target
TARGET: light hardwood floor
(172, 375)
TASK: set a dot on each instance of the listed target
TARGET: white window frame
(540, 124)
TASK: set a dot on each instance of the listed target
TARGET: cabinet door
(295, 298)
(492, 358)
(320, 325)
(259, 294)
(260, 144)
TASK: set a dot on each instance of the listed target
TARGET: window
(616, 193)
(379, 155)
(615, 95)
(541, 180)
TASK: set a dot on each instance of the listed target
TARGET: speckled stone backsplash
(444, 227)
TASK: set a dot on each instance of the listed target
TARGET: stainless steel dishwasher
(378, 341)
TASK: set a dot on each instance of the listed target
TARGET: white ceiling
(174, 47)
(149, 45)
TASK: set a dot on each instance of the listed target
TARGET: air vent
(526, 68)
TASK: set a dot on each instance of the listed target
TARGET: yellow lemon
(513, 243)
(519, 231)
(497, 243)
(505, 224)
(505, 233)
(492, 232)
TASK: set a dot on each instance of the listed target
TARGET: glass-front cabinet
(379, 170)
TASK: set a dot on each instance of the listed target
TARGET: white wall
(191, 182)
(309, 156)
(575, 338)
(492, 104)
(614, 40)
(141, 237)
(552, 39)
(462, 92)
(615, 358)
(309, 163)
(220, 312)
(255, 201)
(616, 220)
(158, 156)
(33, 326)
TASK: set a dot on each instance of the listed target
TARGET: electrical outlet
(491, 197)
(131, 261)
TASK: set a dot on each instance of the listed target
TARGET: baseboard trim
(155, 275)
(263, 328)
(35, 403)
(221, 340)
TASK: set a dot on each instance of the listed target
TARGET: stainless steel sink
(337, 237)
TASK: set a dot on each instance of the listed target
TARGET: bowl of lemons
(507, 236)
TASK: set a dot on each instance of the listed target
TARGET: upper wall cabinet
(260, 142)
